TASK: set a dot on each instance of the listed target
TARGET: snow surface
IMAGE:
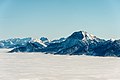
(39, 66)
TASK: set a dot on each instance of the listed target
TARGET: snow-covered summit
(78, 43)
(44, 40)
(82, 35)
(18, 42)
(14, 42)
(39, 41)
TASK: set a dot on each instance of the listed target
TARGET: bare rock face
(77, 43)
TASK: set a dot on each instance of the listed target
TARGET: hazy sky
(59, 18)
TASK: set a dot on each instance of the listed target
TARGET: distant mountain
(45, 40)
(32, 46)
(58, 40)
(18, 43)
(108, 48)
(14, 42)
(78, 43)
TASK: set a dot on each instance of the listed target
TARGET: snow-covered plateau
(39, 66)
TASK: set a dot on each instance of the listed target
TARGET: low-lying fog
(39, 66)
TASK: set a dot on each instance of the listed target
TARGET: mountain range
(78, 43)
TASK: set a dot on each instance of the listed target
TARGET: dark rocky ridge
(78, 43)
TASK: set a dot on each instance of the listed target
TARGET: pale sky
(59, 18)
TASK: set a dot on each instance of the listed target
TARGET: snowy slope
(14, 42)
(78, 43)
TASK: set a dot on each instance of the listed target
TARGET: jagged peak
(43, 38)
(39, 41)
(82, 35)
